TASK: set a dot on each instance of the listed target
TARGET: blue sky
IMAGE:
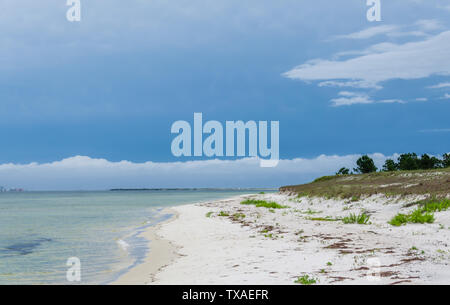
(109, 87)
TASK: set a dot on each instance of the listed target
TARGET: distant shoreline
(193, 189)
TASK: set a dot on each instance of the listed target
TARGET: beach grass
(422, 214)
(263, 203)
(361, 219)
(305, 280)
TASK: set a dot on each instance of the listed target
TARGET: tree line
(405, 162)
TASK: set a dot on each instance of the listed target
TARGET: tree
(408, 162)
(365, 165)
(390, 166)
(343, 171)
(446, 160)
(427, 162)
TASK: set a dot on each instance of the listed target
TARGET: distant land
(192, 189)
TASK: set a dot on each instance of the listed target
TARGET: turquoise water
(39, 231)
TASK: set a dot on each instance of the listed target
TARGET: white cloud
(353, 84)
(421, 99)
(85, 173)
(369, 32)
(430, 24)
(350, 98)
(413, 60)
(439, 86)
(446, 96)
(436, 130)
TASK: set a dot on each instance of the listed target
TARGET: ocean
(40, 231)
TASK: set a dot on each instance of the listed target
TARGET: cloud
(439, 86)
(405, 61)
(350, 98)
(436, 130)
(430, 24)
(353, 84)
(85, 173)
(446, 96)
(422, 27)
(369, 32)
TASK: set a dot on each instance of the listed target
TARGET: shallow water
(39, 231)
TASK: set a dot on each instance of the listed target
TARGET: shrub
(343, 171)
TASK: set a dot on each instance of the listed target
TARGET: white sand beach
(276, 246)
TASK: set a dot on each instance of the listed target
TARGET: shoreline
(162, 252)
(225, 242)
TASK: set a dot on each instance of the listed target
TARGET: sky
(90, 104)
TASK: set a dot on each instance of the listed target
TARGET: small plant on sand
(264, 204)
(355, 198)
(238, 216)
(305, 280)
(224, 214)
(329, 264)
(209, 214)
(361, 219)
(417, 216)
(326, 218)
(435, 206)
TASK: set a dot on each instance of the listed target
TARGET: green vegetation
(327, 218)
(361, 219)
(411, 161)
(209, 214)
(434, 182)
(415, 217)
(224, 214)
(423, 214)
(343, 171)
(365, 165)
(324, 178)
(435, 205)
(264, 204)
(329, 264)
(238, 216)
(305, 280)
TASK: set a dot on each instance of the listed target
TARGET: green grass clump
(238, 216)
(222, 213)
(417, 216)
(361, 219)
(327, 218)
(305, 280)
(436, 206)
(399, 220)
(264, 204)
(423, 214)
(209, 214)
